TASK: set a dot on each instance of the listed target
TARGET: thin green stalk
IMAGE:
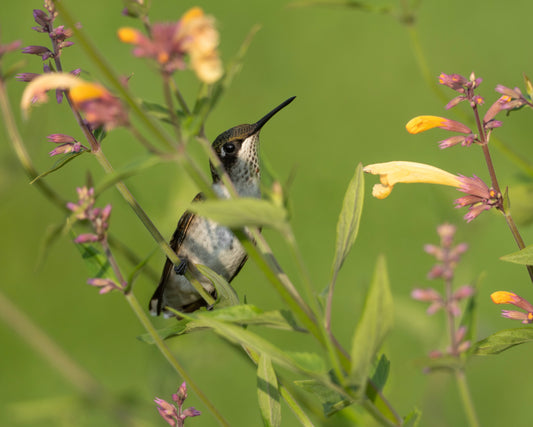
(170, 106)
(152, 229)
(294, 407)
(165, 351)
(21, 152)
(102, 64)
(42, 344)
(326, 335)
(466, 398)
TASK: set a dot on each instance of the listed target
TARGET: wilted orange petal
(36, 89)
(193, 13)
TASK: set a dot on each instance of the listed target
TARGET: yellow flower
(201, 42)
(86, 91)
(129, 35)
(423, 123)
(392, 173)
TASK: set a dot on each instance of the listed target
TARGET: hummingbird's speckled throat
(199, 240)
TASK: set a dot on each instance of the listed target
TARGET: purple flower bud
(60, 138)
(450, 142)
(453, 81)
(86, 238)
(512, 93)
(9, 47)
(455, 101)
(189, 412)
(41, 17)
(41, 51)
(425, 295)
(105, 285)
(26, 77)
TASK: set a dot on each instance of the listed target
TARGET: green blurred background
(357, 83)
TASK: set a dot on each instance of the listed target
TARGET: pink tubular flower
(503, 297)
(479, 197)
(194, 35)
(175, 415)
(100, 107)
(105, 285)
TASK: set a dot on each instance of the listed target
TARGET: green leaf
(529, 86)
(373, 326)
(244, 314)
(349, 218)
(226, 295)
(503, 340)
(96, 261)
(412, 419)
(248, 339)
(58, 164)
(524, 256)
(381, 373)
(242, 212)
(330, 400)
(268, 392)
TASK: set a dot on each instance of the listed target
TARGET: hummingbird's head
(237, 148)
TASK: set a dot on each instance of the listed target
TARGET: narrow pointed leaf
(226, 295)
(524, 256)
(244, 314)
(268, 392)
(412, 419)
(372, 327)
(238, 213)
(58, 165)
(349, 218)
(330, 400)
(260, 345)
(96, 261)
(503, 340)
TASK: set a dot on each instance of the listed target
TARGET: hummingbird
(199, 240)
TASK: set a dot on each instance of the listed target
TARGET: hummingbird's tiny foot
(181, 267)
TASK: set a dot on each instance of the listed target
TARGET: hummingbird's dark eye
(229, 147)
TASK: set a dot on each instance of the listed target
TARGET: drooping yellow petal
(392, 173)
(37, 88)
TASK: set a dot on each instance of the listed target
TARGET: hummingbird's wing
(175, 243)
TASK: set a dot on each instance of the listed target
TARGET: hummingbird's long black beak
(259, 124)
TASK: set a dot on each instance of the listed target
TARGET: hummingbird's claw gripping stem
(181, 267)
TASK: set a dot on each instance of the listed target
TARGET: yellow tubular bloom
(128, 35)
(423, 123)
(86, 91)
(392, 173)
(503, 297)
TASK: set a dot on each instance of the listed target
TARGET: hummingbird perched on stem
(199, 240)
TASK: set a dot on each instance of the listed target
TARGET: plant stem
(466, 398)
(152, 229)
(165, 351)
(21, 152)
